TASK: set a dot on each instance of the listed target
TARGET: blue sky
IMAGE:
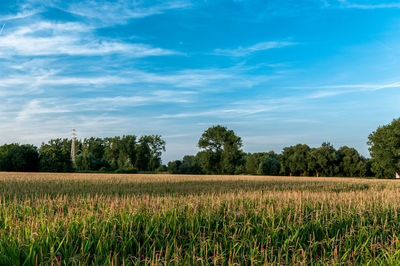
(276, 72)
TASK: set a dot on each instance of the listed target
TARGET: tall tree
(119, 152)
(385, 149)
(149, 151)
(269, 165)
(221, 150)
(323, 161)
(94, 146)
(352, 164)
(55, 156)
(294, 160)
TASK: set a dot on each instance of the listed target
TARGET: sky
(276, 72)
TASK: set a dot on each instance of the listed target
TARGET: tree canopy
(385, 149)
(220, 150)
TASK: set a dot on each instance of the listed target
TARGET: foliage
(262, 163)
(189, 165)
(126, 171)
(221, 150)
(88, 162)
(323, 161)
(294, 160)
(352, 163)
(120, 152)
(385, 149)
(22, 158)
(55, 156)
(269, 165)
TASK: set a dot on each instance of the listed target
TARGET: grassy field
(177, 219)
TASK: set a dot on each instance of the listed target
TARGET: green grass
(135, 219)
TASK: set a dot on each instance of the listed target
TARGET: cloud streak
(244, 51)
(120, 12)
(48, 38)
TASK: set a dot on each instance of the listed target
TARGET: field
(176, 219)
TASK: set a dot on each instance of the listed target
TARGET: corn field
(75, 219)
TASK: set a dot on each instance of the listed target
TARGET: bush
(105, 169)
(162, 169)
(126, 171)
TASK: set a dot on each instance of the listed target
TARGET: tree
(262, 163)
(189, 165)
(323, 161)
(174, 167)
(157, 146)
(143, 155)
(269, 165)
(385, 149)
(351, 164)
(94, 146)
(55, 156)
(294, 160)
(253, 162)
(221, 152)
(120, 153)
(15, 157)
(127, 152)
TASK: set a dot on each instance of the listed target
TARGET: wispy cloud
(243, 51)
(48, 38)
(366, 5)
(353, 87)
(19, 15)
(38, 107)
(121, 11)
(226, 112)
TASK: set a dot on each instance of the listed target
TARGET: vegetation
(220, 153)
(163, 219)
(385, 149)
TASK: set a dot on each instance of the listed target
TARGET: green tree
(269, 165)
(112, 150)
(15, 157)
(385, 149)
(94, 146)
(253, 162)
(120, 153)
(221, 152)
(174, 167)
(149, 151)
(55, 156)
(294, 160)
(157, 147)
(323, 161)
(190, 165)
(352, 164)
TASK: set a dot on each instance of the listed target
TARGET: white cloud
(121, 11)
(363, 5)
(243, 51)
(19, 15)
(227, 112)
(47, 38)
(38, 107)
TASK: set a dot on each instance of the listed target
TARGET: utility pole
(73, 146)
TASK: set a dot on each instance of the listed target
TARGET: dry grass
(161, 219)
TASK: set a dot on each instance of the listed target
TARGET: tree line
(120, 154)
(220, 153)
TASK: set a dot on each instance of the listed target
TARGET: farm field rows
(180, 219)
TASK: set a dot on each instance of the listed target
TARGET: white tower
(73, 145)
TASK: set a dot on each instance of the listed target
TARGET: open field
(101, 219)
